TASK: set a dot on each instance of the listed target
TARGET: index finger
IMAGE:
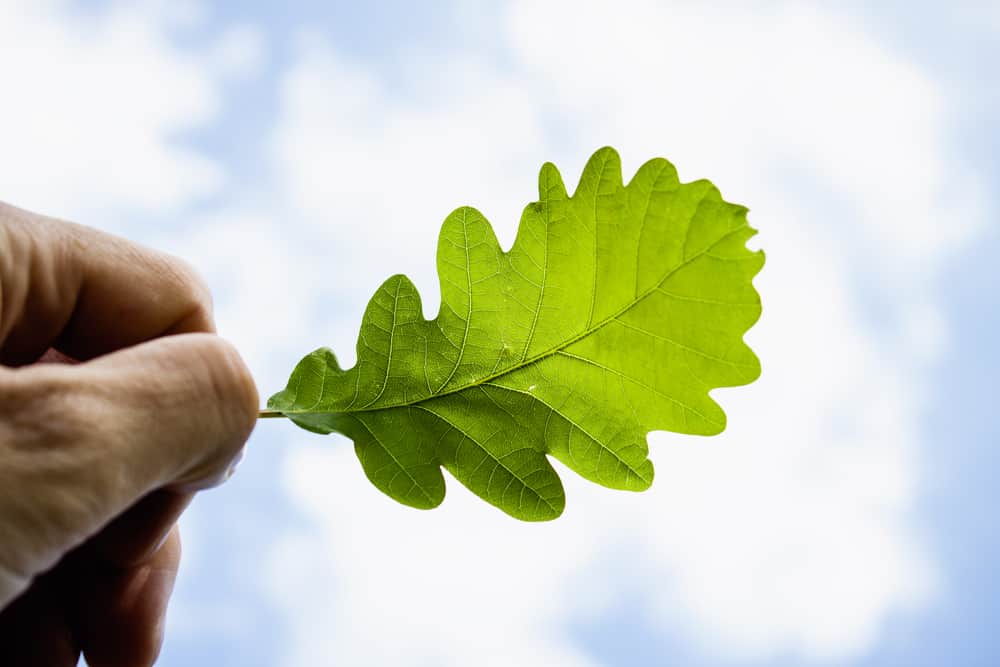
(86, 293)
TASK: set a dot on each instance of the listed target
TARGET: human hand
(98, 459)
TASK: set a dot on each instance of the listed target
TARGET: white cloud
(372, 174)
(239, 51)
(492, 593)
(793, 533)
(93, 103)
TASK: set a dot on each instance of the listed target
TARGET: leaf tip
(607, 162)
(644, 476)
(602, 173)
(550, 184)
(606, 154)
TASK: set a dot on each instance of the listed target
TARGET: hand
(99, 458)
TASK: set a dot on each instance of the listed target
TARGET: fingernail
(236, 463)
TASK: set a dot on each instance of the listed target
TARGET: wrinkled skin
(117, 403)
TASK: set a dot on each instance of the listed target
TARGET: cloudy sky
(298, 153)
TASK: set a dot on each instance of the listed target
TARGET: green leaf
(615, 312)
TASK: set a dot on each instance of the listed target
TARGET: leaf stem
(270, 414)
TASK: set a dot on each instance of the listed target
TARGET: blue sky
(846, 516)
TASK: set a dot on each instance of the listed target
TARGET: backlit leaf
(615, 312)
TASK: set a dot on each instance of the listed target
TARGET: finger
(178, 408)
(102, 598)
(35, 630)
(84, 443)
(86, 292)
(121, 611)
(135, 535)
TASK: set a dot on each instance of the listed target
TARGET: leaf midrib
(551, 351)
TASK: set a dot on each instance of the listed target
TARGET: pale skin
(99, 458)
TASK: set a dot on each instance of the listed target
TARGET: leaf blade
(552, 348)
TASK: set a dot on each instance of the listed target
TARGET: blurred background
(300, 152)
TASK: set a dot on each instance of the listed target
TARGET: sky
(298, 154)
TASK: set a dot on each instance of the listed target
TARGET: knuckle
(194, 284)
(191, 290)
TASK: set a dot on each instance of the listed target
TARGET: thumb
(178, 409)
(81, 444)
